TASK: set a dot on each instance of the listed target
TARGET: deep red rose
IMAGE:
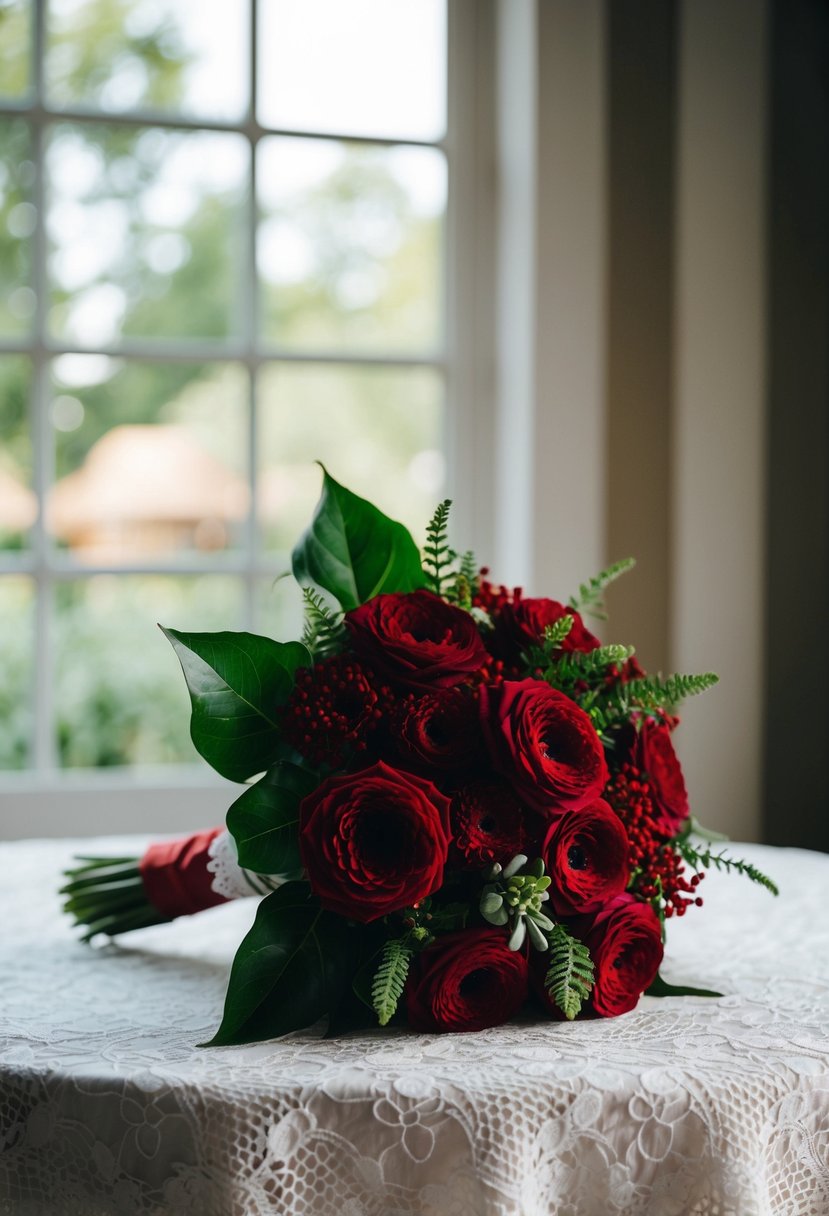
(625, 943)
(654, 754)
(466, 981)
(374, 841)
(544, 744)
(487, 823)
(417, 639)
(586, 855)
(439, 730)
(521, 624)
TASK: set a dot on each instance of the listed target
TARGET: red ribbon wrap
(175, 875)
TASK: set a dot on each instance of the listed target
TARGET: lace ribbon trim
(229, 879)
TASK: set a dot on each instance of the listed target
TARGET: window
(223, 253)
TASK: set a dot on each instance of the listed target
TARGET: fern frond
(323, 631)
(576, 665)
(437, 556)
(555, 634)
(390, 980)
(570, 975)
(590, 598)
(705, 858)
(658, 692)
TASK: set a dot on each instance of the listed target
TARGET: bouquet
(458, 802)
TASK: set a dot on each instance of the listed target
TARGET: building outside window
(224, 253)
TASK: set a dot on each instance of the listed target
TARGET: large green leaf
(661, 987)
(353, 551)
(237, 681)
(290, 970)
(264, 822)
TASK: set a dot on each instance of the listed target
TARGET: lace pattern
(684, 1107)
(229, 879)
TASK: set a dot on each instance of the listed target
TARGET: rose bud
(586, 855)
(439, 730)
(625, 943)
(417, 640)
(466, 981)
(654, 754)
(487, 823)
(521, 624)
(374, 842)
(544, 744)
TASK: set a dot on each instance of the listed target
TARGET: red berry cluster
(491, 597)
(333, 710)
(659, 869)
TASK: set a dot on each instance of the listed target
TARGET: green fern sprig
(390, 980)
(575, 665)
(323, 631)
(590, 598)
(608, 707)
(570, 976)
(437, 556)
(705, 858)
(465, 585)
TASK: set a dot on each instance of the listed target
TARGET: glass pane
(369, 67)
(168, 56)
(18, 505)
(378, 431)
(17, 222)
(16, 664)
(278, 608)
(120, 695)
(349, 245)
(15, 47)
(151, 459)
(146, 231)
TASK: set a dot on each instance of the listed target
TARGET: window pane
(16, 663)
(151, 459)
(369, 67)
(18, 505)
(349, 246)
(146, 233)
(17, 222)
(120, 695)
(15, 47)
(377, 430)
(169, 56)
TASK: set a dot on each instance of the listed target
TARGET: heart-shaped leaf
(264, 822)
(353, 551)
(290, 970)
(237, 681)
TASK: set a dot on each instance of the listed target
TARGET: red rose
(521, 624)
(625, 943)
(586, 855)
(466, 981)
(487, 823)
(374, 841)
(439, 730)
(417, 639)
(654, 754)
(544, 744)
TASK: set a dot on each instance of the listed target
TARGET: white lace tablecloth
(714, 1107)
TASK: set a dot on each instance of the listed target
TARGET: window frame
(45, 799)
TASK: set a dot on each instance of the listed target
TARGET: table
(684, 1106)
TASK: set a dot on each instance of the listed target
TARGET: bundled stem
(107, 895)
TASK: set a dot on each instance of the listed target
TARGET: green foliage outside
(117, 690)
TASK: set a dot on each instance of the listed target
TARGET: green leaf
(236, 681)
(353, 551)
(705, 858)
(264, 821)
(437, 556)
(390, 980)
(590, 598)
(569, 979)
(661, 987)
(290, 970)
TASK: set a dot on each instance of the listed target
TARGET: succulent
(513, 896)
